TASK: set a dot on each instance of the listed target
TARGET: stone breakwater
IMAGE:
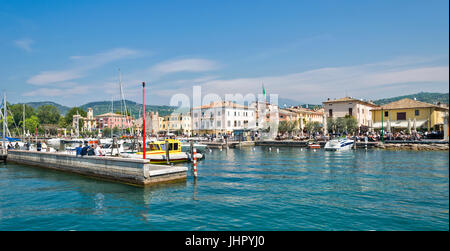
(413, 147)
(127, 170)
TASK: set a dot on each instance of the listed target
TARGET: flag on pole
(264, 93)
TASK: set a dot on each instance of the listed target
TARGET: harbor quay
(430, 145)
(125, 170)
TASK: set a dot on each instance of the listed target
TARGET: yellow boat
(157, 152)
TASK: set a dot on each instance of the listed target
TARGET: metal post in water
(195, 163)
(167, 152)
(143, 116)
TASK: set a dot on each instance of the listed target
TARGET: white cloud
(185, 65)
(71, 89)
(364, 81)
(48, 77)
(24, 44)
(81, 66)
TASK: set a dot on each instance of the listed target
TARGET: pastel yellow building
(407, 112)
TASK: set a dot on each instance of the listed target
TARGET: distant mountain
(102, 107)
(428, 97)
(62, 109)
(285, 102)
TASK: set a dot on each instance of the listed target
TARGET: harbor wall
(134, 171)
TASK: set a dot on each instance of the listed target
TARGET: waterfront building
(151, 123)
(164, 124)
(263, 111)
(181, 123)
(223, 117)
(399, 113)
(88, 123)
(112, 120)
(360, 109)
(306, 115)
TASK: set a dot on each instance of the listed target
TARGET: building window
(386, 114)
(350, 111)
(229, 123)
(417, 113)
(218, 123)
(330, 112)
(401, 115)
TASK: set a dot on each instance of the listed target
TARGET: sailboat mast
(23, 121)
(4, 119)
(112, 114)
(121, 104)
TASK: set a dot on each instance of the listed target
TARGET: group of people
(16, 146)
(90, 150)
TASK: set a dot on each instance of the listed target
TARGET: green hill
(62, 109)
(428, 97)
(102, 107)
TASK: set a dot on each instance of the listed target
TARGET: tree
(10, 123)
(341, 125)
(62, 122)
(351, 124)
(75, 111)
(331, 125)
(17, 113)
(32, 123)
(106, 132)
(116, 130)
(48, 114)
(313, 127)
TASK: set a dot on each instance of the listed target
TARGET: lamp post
(143, 117)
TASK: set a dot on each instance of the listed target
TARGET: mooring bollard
(195, 162)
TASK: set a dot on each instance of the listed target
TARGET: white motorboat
(339, 144)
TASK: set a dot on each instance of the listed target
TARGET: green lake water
(247, 189)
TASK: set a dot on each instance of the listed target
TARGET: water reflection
(247, 189)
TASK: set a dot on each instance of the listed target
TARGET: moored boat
(339, 144)
(157, 153)
(312, 145)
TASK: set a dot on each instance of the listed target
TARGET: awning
(399, 124)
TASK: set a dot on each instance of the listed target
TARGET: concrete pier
(133, 171)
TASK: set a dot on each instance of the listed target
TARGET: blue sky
(70, 51)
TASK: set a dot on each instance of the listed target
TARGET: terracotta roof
(286, 111)
(407, 103)
(306, 110)
(350, 99)
(110, 114)
(222, 104)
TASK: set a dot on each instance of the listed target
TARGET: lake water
(245, 189)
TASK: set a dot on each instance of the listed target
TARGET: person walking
(39, 146)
